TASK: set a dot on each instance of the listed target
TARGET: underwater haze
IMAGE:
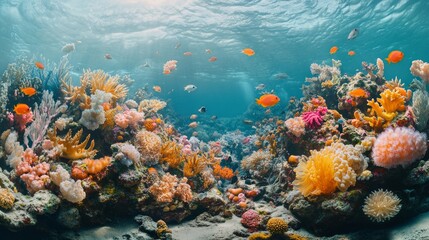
(287, 37)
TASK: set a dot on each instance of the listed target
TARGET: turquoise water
(287, 37)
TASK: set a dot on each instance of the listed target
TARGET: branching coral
(398, 147)
(71, 148)
(171, 153)
(382, 205)
(333, 167)
(149, 145)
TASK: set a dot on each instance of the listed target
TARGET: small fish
(171, 91)
(268, 111)
(107, 56)
(280, 76)
(156, 88)
(178, 45)
(214, 117)
(190, 88)
(247, 121)
(21, 109)
(395, 56)
(78, 42)
(39, 65)
(260, 86)
(193, 117)
(333, 50)
(208, 51)
(193, 125)
(351, 53)
(213, 59)
(268, 100)
(248, 51)
(187, 54)
(68, 48)
(353, 34)
(28, 91)
(202, 109)
(146, 65)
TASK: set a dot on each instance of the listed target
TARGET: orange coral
(93, 166)
(110, 118)
(100, 80)
(171, 153)
(222, 172)
(70, 146)
(149, 124)
(194, 165)
(359, 93)
(77, 173)
(77, 94)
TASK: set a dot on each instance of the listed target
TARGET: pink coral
(34, 175)
(420, 69)
(251, 219)
(398, 147)
(313, 119)
(183, 190)
(129, 118)
(296, 126)
(20, 121)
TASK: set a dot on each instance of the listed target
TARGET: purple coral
(313, 119)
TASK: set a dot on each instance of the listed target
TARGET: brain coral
(333, 167)
(398, 146)
(277, 225)
(149, 145)
(381, 205)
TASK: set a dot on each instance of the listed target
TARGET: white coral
(60, 175)
(420, 69)
(92, 118)
(72, 191)
(13, 149)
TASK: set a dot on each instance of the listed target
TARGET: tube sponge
(398, 146)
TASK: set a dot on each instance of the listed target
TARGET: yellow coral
(259, 236)
(277, 226)
(110, 118)
(6, 199)
(392, 101)
(294, 236)
(100, 80)
(70, 146)
(171, 153)
(328, 84)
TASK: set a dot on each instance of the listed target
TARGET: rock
(69, 217)
(146, 224)
(134, 235)
(211, 201)
(44, 202)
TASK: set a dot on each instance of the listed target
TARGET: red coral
(251, 219)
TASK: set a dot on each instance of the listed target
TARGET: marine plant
(71, 149)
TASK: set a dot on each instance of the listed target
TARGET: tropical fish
(39, 65)
(214, 117)
(190, 88)
(208, 51)
(202, 109)
(333, 50)
(193, 125)
(187, 54)
(351, 53)
(107, 56)
(395, 56)
(280, 75)
(21, 109)
(146, 65)
(28, 91)
(212, 59)
(193, 116)
(178, 45)
(353, 34)
(260, 86)
(68, 48)
(156, 88)
(268, 100)
(248, 51)
(247, 121)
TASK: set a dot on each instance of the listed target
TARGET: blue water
(287, 37)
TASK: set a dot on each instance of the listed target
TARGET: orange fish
(212, 59)
(359, 93)
(21, 109)
(248, 51)
(156, 88)
(187, 54)
(39, 65)
(333, 50)
(395, 56)
(268, 100)
(351, 53)
(29, 91)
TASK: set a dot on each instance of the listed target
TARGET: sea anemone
(398, 147)
(381, 205)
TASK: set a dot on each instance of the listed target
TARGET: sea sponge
(59, 175)
(296, 126)
(277, 225)
(398, 147)
(7, 199)
(149, 145)
(72, 191)
(333, 167)
(381, 205)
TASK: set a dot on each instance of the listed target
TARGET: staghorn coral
(277, 226)
(70, 147)
(398, 147)
(333, 167)
(151, 106)
(149, 145)
(420, 69)
(76, 94)
(381, 205)
(194, 165)
(171, 153)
